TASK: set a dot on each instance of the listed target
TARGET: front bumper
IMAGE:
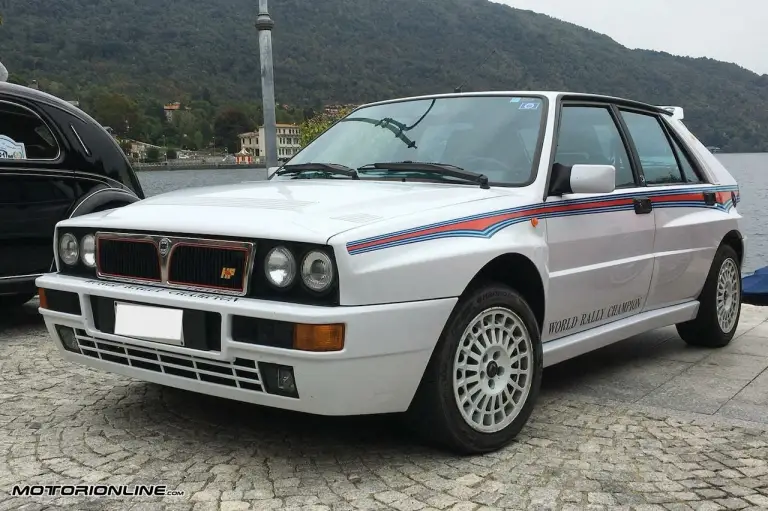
(386, 348)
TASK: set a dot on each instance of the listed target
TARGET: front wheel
(483, 379)
(719, 304)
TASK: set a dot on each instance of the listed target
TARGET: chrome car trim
(164, 260)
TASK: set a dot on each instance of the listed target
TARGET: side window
(24, 136)
(657, 158)
(690, 174)
(588, 135)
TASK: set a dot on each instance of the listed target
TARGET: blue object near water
(755, 287)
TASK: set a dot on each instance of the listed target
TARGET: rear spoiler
(675, 111)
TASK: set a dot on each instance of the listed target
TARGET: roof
(36, 95)
(550, 95)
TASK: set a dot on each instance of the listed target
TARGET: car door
(34, 192)
(600, 246)
(684, 244)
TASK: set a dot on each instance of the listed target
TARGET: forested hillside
(347, 51)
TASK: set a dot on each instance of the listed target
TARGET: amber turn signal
(318, 337)
(43, 298)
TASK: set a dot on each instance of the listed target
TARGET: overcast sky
(728, 30)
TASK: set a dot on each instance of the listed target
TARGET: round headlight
(317, 271)
(68, 249)
(88, 250)
(280, 267)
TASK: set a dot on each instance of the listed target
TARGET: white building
(288, 142)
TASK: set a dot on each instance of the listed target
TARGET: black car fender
(101, 198)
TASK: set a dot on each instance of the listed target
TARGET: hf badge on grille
(227, 273)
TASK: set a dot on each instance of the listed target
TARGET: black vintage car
(56, 162)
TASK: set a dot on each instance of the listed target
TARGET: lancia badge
(165, 246)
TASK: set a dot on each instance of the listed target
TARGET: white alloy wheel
(728, 295)
(493, 370)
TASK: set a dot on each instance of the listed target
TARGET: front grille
(206, 266)
(127, 258)
(241, 373)
(177, 262)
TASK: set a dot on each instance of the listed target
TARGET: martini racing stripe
(485, 225)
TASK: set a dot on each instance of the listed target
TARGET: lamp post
(264, 24)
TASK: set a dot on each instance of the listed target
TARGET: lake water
(751, 170)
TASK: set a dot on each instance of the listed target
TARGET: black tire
(434, 412)
(15, 301)
(705, 330)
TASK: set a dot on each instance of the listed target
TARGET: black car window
(24, 136)
(589, 136)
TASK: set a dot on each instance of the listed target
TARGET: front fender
(432, 268)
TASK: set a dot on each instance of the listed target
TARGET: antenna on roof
(458, 89)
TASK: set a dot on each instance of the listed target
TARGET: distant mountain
(340, 51)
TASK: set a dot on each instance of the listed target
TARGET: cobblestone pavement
(597, 440)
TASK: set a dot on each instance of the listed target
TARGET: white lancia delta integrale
(426, 255)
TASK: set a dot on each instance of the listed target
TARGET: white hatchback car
(426, 255)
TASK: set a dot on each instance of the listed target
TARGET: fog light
(285, 380)
(278, 379)
(68, 339)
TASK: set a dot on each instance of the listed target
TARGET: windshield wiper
(328, 167)
(437, 168)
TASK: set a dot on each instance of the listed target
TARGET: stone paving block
(694, 393)
(748, 345)
(730, 366)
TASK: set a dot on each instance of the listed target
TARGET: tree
(117, 111)
(153, 155)
(314, 127)
(171, 154)
(228, 125)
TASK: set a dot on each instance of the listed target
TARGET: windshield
(492, 135)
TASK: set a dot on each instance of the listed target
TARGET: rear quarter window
(24, 135)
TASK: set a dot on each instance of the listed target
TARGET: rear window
(24, 136)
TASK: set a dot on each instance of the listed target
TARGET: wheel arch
(518, 272)
(100, 197)
(735, 240)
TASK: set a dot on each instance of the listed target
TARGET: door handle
(643, 205)
(710, 198)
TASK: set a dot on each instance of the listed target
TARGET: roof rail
(676, 111)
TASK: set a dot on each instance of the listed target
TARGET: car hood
(300, 210)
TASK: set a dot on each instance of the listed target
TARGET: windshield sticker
(529, 106)
(11, 150)
(515, 100)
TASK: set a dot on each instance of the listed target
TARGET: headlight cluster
(315, 270)
(72, 250)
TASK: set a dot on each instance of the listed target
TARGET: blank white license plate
(150, 323)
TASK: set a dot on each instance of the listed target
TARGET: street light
(264, 24)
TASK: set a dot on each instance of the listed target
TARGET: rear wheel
(14, 301)
(482, 382)
(720, 304)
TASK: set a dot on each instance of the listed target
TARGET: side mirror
(582, 179)
(271, 170)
